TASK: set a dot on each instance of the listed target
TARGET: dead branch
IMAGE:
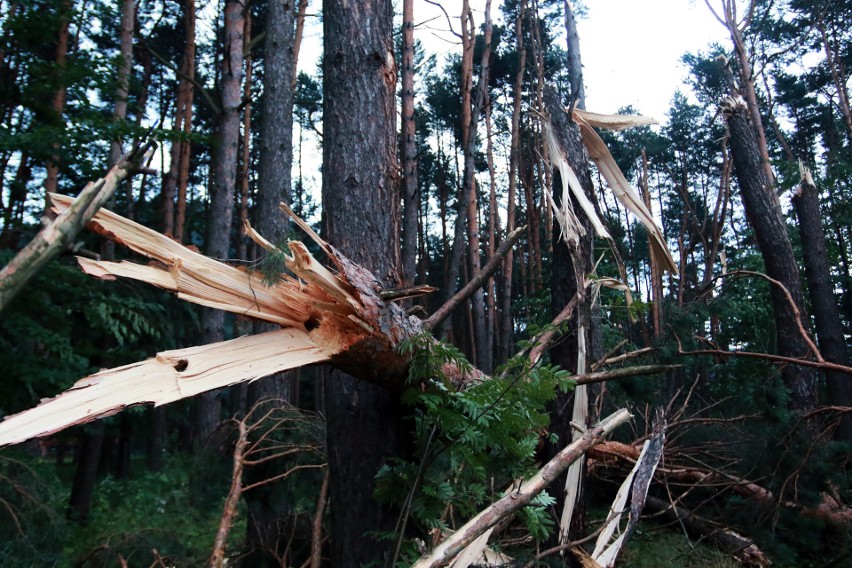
(59, 233)
(520, 498)
(542, 342)
(316, 533)
(793, 307)
(476, 283)
(624, 372)
(769, 357)
(229, 513)
(245, 448)
(608, 360)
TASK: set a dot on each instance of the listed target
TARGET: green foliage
(475, 442)
(153, 511)
(56, 330)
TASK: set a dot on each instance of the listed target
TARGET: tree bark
(176, 179)
(829, 328)
(51, 183)
(269, 505)
(571, 263)
(223, 183)
(360, 218)
(86, 472)
(188, 91)
(763, 211)
(410, 195)
(506, 321)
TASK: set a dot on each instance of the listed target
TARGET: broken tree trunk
(325, 316)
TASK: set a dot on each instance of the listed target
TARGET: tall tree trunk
(763, 210)
(410, 195)
(245, 146)
(575, 62)
(454, 263)
(221, 209)
(87, 461)
(51, 183)
(838, 75)
(656, 269)
(119, 111)
(572, 261)
(506, 321)
(265, 531)
(297, 39)
(493, 229)
(735, 28)
(188, 92)
(176, 179)
(361, 218)
(484, 354)
(829, 328)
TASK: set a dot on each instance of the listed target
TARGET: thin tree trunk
(410, 196)
(837, 76)
(267, 506)
(493, 229)
(119, 112)
(361, 218)
(455, 261)
(297, 39)
(86, 473)
(186, 106)
(656, 271)
(176, 179)
(221, 209)
(245, 155)
(506, 321)
(51, 183)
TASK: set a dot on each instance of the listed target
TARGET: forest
(414, 302)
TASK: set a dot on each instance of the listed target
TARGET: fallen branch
(520, 498)
(488, 270)
(543, 341)
(60, 233)
(601, 376)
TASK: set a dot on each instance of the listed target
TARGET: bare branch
(487, 271)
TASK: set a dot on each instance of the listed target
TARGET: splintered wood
(325, 317)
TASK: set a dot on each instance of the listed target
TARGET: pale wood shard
(614, 122)
(195, 277)
(624, 192)
(170, 376)
(320, 311)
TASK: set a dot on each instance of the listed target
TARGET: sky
(631, 49)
